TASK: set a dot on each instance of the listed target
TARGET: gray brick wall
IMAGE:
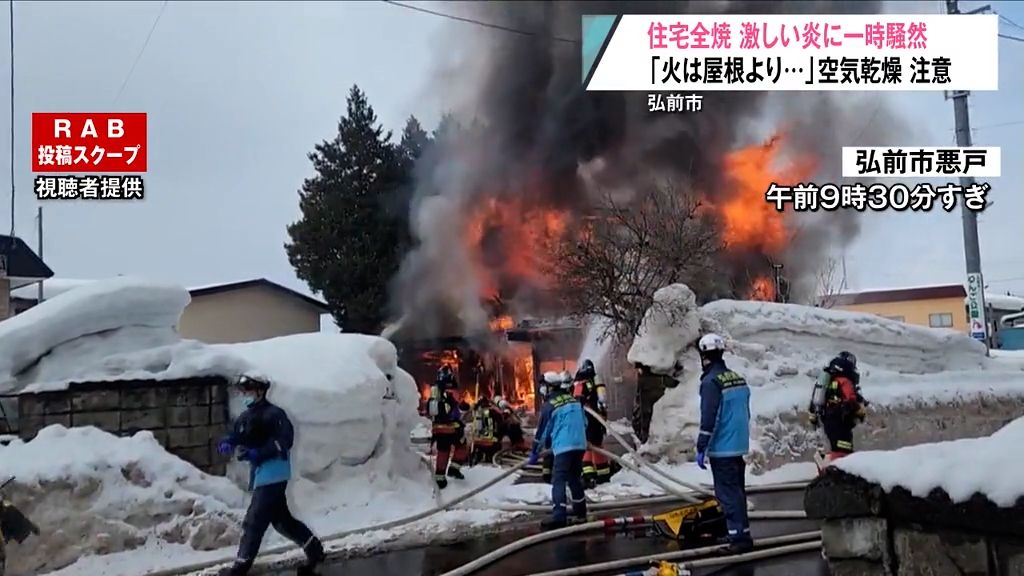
(187, 417)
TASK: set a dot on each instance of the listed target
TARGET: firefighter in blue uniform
(725, 437)
(263, 436)
(563, 424)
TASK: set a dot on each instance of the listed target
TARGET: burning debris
(539, 151)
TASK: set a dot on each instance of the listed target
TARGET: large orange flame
(762, 289)
(749, 221)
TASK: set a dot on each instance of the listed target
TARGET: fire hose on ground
(346, 533)
(608, 523)
(777, 546)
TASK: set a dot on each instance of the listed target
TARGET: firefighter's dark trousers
(269, 507)
(568, 471)
(839, 430)
(730, 490)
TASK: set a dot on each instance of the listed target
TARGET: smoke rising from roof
(537, 137)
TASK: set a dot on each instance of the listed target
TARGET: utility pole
(39, 298)
(978, 325)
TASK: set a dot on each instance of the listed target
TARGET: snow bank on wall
(989, 466)
(92, 493)
(117, 329)
(780, 349)
(347, 398)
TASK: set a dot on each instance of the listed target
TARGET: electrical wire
(11, 3)
(141, 51)
(481, 23)
(1011, 22)
(1014, 38)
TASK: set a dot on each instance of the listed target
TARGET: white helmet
(566, 379)
(552, 377)
(711, 342)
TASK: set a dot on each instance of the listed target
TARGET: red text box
(107, 142)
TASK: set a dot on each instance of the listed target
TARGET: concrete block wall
(187, 417)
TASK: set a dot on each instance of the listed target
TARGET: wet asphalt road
(587, 549)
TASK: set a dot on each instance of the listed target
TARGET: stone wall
(867, 531)
(187, 417)
(789, 438)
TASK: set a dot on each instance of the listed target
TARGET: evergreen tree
(345, 246)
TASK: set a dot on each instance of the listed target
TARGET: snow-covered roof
(117, 329)
(51, 287)
(1003, 302)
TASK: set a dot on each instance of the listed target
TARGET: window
(940, 320)
(896, 318)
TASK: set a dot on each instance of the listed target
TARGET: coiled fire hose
(778, 546)
(280, 549)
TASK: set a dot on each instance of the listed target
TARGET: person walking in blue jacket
(563, 425)
(263, 435)
(725, 437)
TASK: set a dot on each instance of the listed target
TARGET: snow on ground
(780, 349)
(353, 410)
(989, 466)
(91, 492)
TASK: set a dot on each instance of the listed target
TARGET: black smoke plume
(534, 123)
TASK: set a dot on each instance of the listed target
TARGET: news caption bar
(727, 52)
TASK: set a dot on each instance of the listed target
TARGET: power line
(481, 23)
(1014, 38)
(139, 57)
(11, 3)
(1011, 22)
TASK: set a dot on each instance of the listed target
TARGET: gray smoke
(536, 127)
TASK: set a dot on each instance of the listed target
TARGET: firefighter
(263, 434)
(725, 437)
(486, 440)
(447, 431)
(843, 407)
(591, 391)
(510, 426)
(650, 387)
(548, 390)
(562, 427)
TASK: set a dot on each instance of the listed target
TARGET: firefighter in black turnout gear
(839, 405)
(589, 390)
(447, 430)
(263, 437)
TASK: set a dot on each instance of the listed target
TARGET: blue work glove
(534, 458)
(225, 447)
(700, 461)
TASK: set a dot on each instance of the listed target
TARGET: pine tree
(345, 244)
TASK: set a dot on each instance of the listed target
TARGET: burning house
(535, 154)
(508, 360)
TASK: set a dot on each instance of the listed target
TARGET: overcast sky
(238, 93)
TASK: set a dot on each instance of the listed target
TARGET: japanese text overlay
(85, 156)
(683, 52)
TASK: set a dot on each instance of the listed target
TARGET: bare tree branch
(615, 261)
(831, 282)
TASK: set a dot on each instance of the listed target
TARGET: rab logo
(89, 142)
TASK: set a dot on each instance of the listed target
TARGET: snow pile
(962, 468)
(92, 493)
(350, 404)
(781, 348)
(52, 287)
(1003, 302)
(117, 329)
(670, 326)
